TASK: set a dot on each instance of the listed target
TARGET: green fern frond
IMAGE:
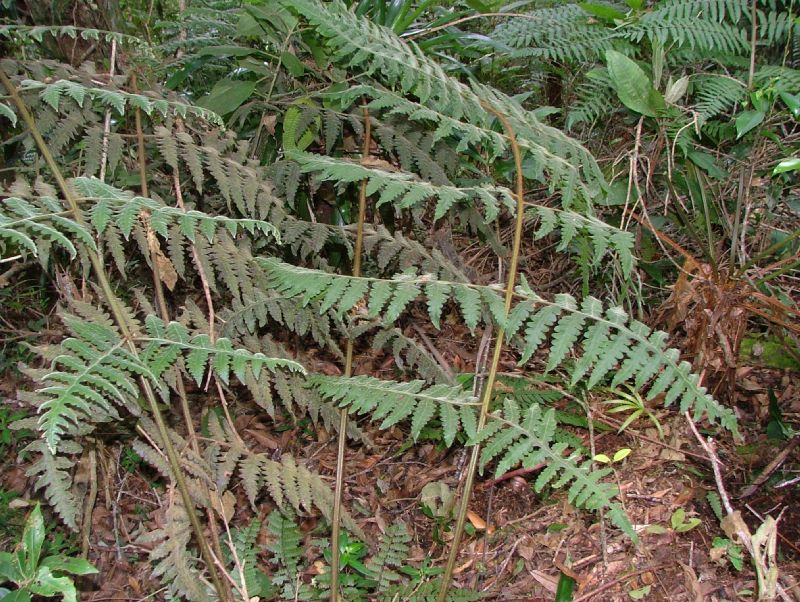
(37, 33)
(91, 374)
(393, 401)
(290, 486)
(717, 94)
(400, 188)
(53, 474)
(287, 555)
(29, 225)
(167, 341)
(172, 557)
(52, 94)
(379, 53)
(638, 351)
(123, 209)
(604, 238)
(346, 292)
(243, 542)
(612, 339)
(391, 555)
(513, 437)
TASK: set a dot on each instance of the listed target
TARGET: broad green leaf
(621, 454)
(47, 584)
(747, 121)
(21, 595)
(8, 568)
(602, 11)
(633, 86)
(65, 564)
(32, 539)
(792, 102)
(293, 65)
(227, 95)
(790, 164)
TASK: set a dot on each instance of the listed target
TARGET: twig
(107, 122)
(769, 469)
(618, 580)
(435, 352)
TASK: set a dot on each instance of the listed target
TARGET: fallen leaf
(476, 520)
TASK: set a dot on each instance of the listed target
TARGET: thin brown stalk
(121, 320)
(498, 348)
(348, 371)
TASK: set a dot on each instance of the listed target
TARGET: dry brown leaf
(476, 520)
(546, 581)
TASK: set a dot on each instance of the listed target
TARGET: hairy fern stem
(498, 348)
(348, 372)
(122, 323)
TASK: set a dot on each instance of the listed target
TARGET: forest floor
(521, 541)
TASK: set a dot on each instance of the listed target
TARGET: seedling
(632, 402)
(34, 575)
(619, 456)
(681, 524)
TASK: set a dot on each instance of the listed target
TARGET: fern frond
(91, 374)
(122, 208)
(393, 402)
(290, 486)
(29, 225)
(167, 341)
(244, 543)
(53, 92)
(37, 33)
(640, 352)
(400, 188)
(392, 553)
(379, 53)
(528, 439)
(717, 94)
(172, 557)
(393, 295)
(53, 473)
(287, 555)
(604, 238)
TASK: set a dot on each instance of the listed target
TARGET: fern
(604, 238)
(52, 93)
(610, 338)
(400, 188)
(287, 556)
(91, 374)
(172, 558)
(392, 402)
(393, 295)
(36, 33)
(243, 543)
(528, 438)
(53, 475)
(167, 341)
(380, 53)
(34, 226)
(113, 205)
(717, 94)
(391, 554)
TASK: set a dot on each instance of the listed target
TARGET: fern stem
(122, 323)
(348, 371)
(498, 348)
